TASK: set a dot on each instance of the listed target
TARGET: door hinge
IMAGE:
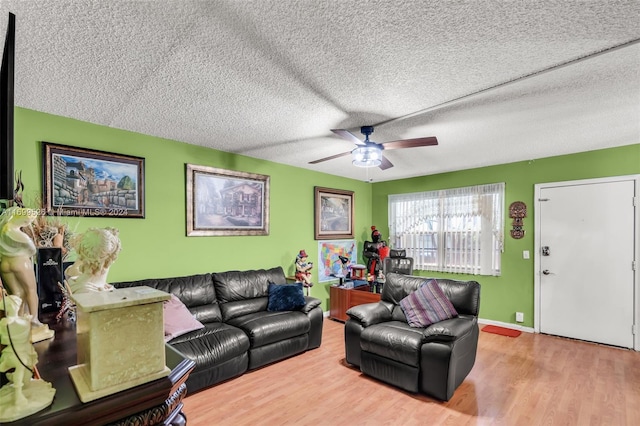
(633, 265)
(633, 329)
(635, 201)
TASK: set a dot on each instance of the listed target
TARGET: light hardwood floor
(528, 380)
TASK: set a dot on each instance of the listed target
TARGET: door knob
(546, 272)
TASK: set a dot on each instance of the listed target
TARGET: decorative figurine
(303, 269)
(22, 395)
(16, 265)
(97, 249)
(67, 307)
(375, 251)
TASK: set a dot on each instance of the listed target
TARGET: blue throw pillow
(427, 305)
(285, 297)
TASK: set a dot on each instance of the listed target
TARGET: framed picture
(226, 202)
(84, 182)
(333, 214)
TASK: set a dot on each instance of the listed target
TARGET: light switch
(525, 254)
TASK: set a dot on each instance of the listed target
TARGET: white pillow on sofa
(177, 319)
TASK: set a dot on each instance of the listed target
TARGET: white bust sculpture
(97, 249)
(23, 395)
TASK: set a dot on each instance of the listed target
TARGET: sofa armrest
(311, 302)
(370, 313)
(449, 330)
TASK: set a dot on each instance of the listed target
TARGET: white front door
(586, 248)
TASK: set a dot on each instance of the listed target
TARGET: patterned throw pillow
(427, 305)
(285, 297)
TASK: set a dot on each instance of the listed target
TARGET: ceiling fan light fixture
(367, 156)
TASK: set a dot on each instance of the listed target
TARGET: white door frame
(537, 224)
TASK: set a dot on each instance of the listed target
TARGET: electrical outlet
(519, 317)
(525, 254)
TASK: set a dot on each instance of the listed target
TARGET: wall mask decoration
(517, 212)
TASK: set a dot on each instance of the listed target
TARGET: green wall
(513, 291)
(157, 246)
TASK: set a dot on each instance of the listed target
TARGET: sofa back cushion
(232, 286)
(245, 292)
(195, 291)
(238, 308)
(464, 295)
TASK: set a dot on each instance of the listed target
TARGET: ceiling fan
(368, 153)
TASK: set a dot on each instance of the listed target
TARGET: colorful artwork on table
(330, 267)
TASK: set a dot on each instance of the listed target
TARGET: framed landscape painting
(333, 214)
(226, 202)
(85, 182)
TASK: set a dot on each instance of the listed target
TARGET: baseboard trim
(506, 325)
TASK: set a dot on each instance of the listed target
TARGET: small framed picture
(333, 214)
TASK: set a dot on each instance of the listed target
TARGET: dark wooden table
(155, 402)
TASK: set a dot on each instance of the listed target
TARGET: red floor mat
(501, 330)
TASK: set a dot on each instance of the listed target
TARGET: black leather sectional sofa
(239, 332)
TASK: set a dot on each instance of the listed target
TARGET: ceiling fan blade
(386, 164)
(411, 143)
(345, 134)
(330, 158)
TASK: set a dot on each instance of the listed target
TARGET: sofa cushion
(427, 305)
(241, 285)
(285, 297)
(267, 327)
(178, 320)
(238, 308)
(394, 340)
(213, 344)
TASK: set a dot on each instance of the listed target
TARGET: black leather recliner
(432, 360)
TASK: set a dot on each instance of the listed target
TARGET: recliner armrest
(311, 302)
(370, 313)
(449, 330)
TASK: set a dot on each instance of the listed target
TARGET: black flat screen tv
(6, 111)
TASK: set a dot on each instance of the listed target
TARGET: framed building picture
(86, 182)
(226, 202)
(333, 214)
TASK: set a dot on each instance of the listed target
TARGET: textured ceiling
(494, 81)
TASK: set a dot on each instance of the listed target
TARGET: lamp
(367, 156)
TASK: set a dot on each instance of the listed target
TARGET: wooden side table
(341, 299)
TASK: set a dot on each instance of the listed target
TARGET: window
(451, 230)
